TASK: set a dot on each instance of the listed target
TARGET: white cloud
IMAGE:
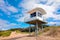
(22, 19)
(50, 2)
(4, 25)
(3, 7)
(17, 16)
(12, 9)
(54, 23)
(57, 17)
(57, 0)
(7, 8)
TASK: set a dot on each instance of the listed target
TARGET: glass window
(39, 14)
(33, 14)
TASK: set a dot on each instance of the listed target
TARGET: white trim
(36, 13)
(33, 18)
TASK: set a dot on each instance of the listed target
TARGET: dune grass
(8, 32)
(5, 33)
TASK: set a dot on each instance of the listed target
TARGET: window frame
(39, 14)
(33, 15)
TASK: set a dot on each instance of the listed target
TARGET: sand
(21, 36)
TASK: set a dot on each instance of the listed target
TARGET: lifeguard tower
(36, 18)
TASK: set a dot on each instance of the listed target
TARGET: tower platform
(34, 20)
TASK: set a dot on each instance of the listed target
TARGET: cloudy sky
(13, 12)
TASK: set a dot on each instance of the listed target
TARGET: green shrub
(18, 31)
(5, 33)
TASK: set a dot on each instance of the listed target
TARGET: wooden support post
(30, 30)
(36, 30)
(42, 27)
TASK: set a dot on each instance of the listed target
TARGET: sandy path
(30, 38)
(19, 36)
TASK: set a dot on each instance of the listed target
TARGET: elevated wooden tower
(36, 18)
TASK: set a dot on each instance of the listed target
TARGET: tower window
(33, 14)
(39, 14)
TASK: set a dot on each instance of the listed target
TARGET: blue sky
(13, 12)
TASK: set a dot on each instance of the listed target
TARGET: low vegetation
(5, 33)
(52, 30)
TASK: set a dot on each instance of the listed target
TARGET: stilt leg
(30, 30)
(42, 27)
(36, 30)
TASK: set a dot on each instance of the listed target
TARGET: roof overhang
(37, 9)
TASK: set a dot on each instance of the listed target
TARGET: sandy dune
(19, 36)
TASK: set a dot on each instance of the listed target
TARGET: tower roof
(37, 9)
